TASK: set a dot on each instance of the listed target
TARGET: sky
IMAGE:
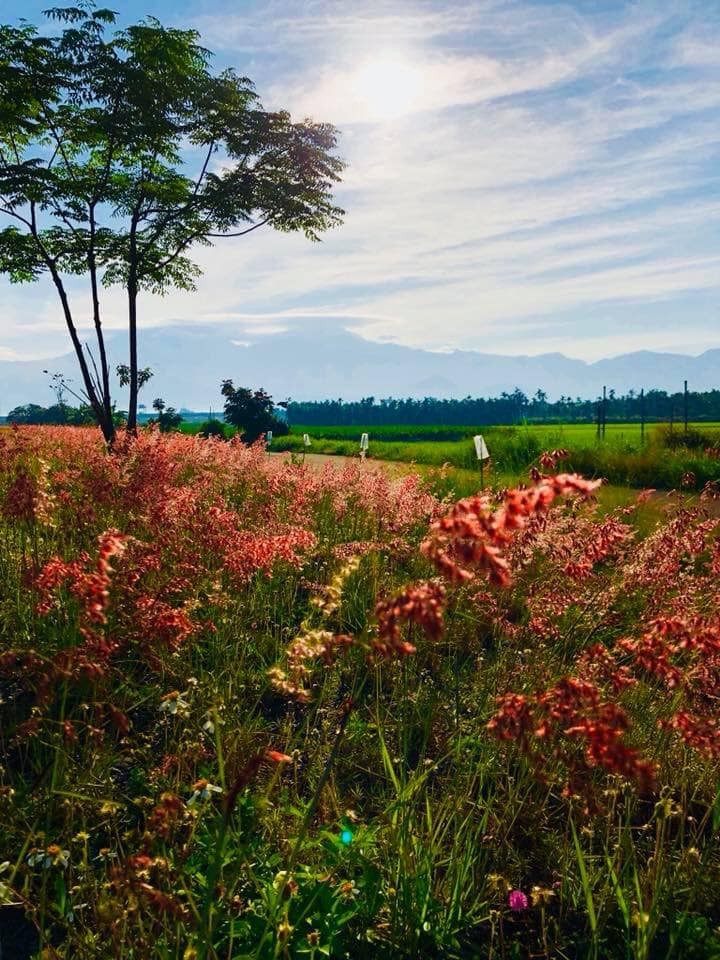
(523, 177)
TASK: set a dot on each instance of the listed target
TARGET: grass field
(547, 434)
(252, 709)
(662, 460)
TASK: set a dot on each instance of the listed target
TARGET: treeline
(509, 408)
(58, 413)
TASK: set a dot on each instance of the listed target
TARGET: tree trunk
(103, 417)
(104, 369)
(132, 330)
(105, 422)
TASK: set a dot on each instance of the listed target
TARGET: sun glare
(388, 87)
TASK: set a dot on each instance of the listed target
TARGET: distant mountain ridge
(325, 361)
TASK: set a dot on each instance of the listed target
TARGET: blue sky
(523, 177)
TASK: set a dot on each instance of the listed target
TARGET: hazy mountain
(323, 360)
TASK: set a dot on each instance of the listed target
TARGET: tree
(27, 413)
(32, 413)
(168, 419)
(99, 133)
(250, 411)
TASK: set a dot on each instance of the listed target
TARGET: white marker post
(483, 454)
(306, 444)
(268, 439)
(364, 444)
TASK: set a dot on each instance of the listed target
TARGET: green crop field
(663, 458)
(576, 433)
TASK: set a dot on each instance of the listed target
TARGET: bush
(212, 428)
(678, 439)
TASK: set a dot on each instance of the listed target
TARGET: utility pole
(685, 407)
(604, 412)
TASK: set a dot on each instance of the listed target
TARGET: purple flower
(517, 901)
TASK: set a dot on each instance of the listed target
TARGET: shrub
(212, 428)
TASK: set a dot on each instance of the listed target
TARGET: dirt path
(318, 460)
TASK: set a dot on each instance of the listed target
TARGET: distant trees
(168, 419)
(98, 133)
(509, 408)
(251, 411)
(33, 413)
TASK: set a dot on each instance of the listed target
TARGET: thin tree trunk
(104, 369)
(105, 423)
(132, 330)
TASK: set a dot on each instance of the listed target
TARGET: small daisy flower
(541, 896)
(203, 790)
(348, 890)
(105, 854)
(174, 703)
(51, 856)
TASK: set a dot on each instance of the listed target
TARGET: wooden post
(685, 407)
(481, 452)
(604, 412)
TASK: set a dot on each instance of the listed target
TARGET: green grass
(622, 457)
(192, 427)
(546, 434)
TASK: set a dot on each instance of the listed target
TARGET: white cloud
(548, 159)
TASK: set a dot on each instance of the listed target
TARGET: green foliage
(510, 408)
(251, 411)
(168, 419)
(694, 438)
(662, 460)
(122, 152)
(33, 413)
(124, 375)
(212, 428)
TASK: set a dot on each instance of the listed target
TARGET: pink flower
(517, 901)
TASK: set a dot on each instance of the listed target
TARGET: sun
(387, 87)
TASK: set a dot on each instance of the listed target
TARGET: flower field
(254, 710)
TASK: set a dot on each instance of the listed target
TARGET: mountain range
(324, 360)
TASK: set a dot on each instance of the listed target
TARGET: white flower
(173, 703)
(202, 790)
(52, 856)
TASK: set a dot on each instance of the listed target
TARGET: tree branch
(242, 233)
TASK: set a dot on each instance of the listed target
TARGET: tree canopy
(508, 408)
(59, 413)
(251, 411)
(121, 150)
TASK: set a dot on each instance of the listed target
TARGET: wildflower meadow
(254, 709)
